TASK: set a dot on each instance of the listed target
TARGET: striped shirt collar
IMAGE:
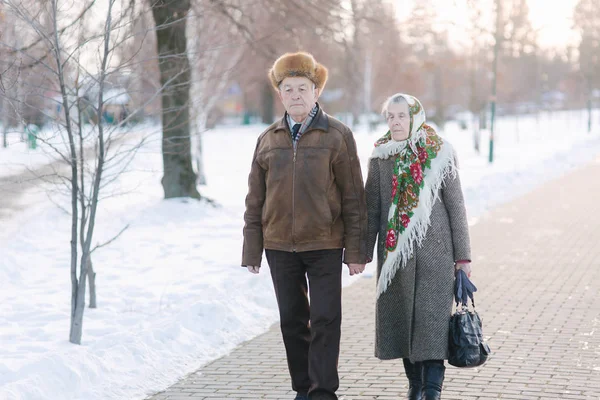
(306, 123)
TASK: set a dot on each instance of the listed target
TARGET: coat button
(439, 241)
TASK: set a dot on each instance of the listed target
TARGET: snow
(528, 152)
(17, 157)
(171, 293)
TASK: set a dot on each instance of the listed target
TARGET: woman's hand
(465, 266)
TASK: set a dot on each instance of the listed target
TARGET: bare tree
(215, 49)
(170, 16)
(12, 88)
(481, 37)
(77, 164)
(355, 57)
(142, 62)
(8, 85)
(520, 57)
(272, 28)
(429, 40)
(93, 152)
(587, 21)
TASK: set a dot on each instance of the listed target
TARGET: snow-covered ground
(171, 293)
(50, 142)
(528, 151)
(18, 157)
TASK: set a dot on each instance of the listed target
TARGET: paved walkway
(537, 266)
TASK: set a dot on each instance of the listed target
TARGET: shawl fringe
(443, 166)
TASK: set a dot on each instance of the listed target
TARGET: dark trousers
(311, 333)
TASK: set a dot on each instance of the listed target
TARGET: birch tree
(587, 22)
(214, 57)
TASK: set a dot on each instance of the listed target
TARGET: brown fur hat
(298, 64)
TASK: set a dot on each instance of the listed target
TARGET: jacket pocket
(335, 207)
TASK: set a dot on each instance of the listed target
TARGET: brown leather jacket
(309, 199)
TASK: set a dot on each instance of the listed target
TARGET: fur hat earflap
(298, 64)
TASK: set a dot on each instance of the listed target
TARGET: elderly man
(306, 207)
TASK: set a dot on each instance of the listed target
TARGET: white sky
(553, 19)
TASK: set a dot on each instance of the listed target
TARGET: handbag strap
(466, 305)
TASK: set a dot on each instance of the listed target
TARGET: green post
(32, 132)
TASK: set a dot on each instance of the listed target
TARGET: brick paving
(537, 266)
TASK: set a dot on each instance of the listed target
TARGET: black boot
(413, 373)
(433, 377)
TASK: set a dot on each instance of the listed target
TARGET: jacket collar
(320, 122)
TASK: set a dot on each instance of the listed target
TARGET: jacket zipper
(295, 149)
(293, 194)
(294, 200)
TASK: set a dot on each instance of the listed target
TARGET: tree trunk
(77, 316)
(268, 102)
(589, 107)
(179, 179)
(473, 106)
(200, 129)
(368, 76)
(476, 132)
(440, 113)
(76, 304)
(5, 122)
(92, 283)
(483, 118)
(355, 60)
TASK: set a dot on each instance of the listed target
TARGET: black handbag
(466, 347)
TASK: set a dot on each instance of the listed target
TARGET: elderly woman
(415, 204)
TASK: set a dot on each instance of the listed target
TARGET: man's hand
(253, 269)
(356, 269)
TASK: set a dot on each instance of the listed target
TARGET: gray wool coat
(413, 314)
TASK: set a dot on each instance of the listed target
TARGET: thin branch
(99, 246)
(60, 31)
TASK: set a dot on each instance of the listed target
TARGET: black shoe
(413, 373)
(433, 378)
(322, 395)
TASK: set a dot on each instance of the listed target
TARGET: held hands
(356, 269)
